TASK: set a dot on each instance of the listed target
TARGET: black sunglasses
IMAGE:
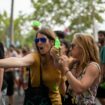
(43, 40)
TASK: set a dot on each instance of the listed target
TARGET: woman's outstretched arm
(17, 62)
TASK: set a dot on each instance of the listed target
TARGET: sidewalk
(18, 100)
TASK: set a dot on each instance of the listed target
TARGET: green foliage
(5, 28)
(79, 14)
(18, 24)
(29, 40)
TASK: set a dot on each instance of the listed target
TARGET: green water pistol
(57, 43)
(36, 24)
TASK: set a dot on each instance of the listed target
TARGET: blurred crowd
(77, 53)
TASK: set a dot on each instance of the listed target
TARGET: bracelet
(66, 72)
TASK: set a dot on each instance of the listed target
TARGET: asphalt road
(18, 100)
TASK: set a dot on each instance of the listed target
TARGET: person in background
(1, 69)
(52, 77)
(3, 84)
(17, 73)
(101, 88)
(10, 78)
(65, 46)
(85, 78)
(24, 71)
(60, 34)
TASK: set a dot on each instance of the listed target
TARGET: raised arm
(80, 85)
(90, 76)
(17, 62)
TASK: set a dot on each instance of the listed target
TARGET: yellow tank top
(51, 77)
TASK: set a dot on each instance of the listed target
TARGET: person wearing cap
(51, 76)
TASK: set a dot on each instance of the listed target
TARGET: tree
(19, 27)
(79, 14)
(4, 26)
(19, 23)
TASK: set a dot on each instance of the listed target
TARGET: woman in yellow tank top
(51, 76)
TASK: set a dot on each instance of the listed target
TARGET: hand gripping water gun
(36, 25)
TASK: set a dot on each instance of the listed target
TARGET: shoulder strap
(94, 63)
(29, 80)
(97, 65)
(41, 80)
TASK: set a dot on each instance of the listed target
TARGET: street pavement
(18, 100)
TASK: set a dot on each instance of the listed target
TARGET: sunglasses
(43, 40)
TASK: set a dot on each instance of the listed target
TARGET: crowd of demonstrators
(41, 59)
(17, 75)
(23, 80)
(85, 78)
(70, 75)
(10, 77)
(101, 88)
